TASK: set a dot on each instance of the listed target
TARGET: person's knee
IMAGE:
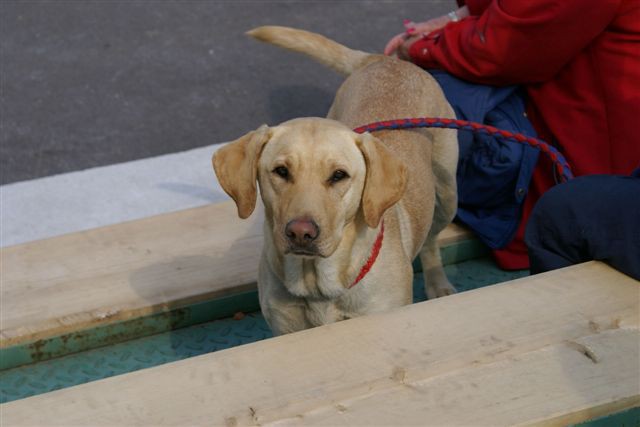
(591, 217)
(550, 214)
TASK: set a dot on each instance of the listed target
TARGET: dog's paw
(440, 290)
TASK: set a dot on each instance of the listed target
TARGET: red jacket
(580, 63)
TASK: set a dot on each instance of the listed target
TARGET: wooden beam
(550, 349)
(130, 270)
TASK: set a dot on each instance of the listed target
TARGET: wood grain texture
(128, 270)
(550, 349)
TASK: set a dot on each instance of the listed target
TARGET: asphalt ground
(93, 83)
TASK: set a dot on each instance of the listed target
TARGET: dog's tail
(327, 52)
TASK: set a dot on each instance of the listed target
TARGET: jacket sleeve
(515, 41)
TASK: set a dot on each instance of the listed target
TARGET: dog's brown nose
(301, 232)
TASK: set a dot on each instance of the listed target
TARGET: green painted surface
(129, 356)
(104, 335)
(629, 418)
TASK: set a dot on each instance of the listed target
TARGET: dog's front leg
(285, 319)
(283, 312)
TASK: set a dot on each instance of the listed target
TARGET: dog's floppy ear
(236, 166)
(386, 179)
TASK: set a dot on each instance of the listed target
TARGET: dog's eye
(282, 172)
(338, 175)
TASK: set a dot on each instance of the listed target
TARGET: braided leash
(561, 166)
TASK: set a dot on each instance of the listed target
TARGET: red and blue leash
(561, 166)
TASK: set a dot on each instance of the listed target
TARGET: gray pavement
(91, 83)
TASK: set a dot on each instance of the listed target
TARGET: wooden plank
(544, 350)
(130, 270)
(126, 270)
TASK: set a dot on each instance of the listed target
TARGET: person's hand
(402, 51)
(415, 31)
(400, 43)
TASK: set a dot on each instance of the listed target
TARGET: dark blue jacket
(493, 176)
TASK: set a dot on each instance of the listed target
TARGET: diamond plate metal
(130, 356)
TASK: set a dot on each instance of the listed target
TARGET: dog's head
(315, 176)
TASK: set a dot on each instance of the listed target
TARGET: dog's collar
(372, 258)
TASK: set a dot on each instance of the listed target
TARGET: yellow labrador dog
(346, 213)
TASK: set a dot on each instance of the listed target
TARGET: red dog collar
(372, 258)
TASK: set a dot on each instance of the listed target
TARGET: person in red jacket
(579, 61)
